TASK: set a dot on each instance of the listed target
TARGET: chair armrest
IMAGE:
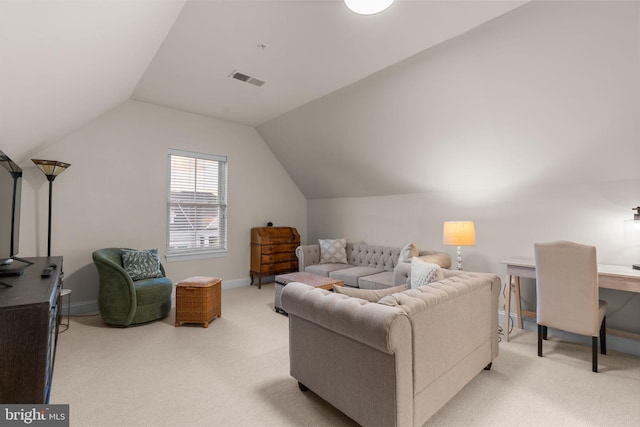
(307, 255)
(117, 295)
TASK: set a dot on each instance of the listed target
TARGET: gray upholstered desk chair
(567, 293)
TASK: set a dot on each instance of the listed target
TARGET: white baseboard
(614, 342)
(235, 283)
(84, 307)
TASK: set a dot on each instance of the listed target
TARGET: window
(197, 206)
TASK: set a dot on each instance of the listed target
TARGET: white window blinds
(197, 205)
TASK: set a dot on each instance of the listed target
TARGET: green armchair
(124, 302)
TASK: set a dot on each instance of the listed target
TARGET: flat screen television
(10, 198)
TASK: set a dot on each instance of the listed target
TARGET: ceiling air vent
(243, 77)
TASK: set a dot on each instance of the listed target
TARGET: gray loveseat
(397, 361)
(369, 266)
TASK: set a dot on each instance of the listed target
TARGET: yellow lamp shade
(459, 233)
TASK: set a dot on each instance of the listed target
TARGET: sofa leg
(488, 367)
(302, 387)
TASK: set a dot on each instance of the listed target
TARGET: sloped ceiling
(546, 95)
(303, 49)
(65, 62)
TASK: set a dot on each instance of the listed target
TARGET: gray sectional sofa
(396, 361)
(368, 266)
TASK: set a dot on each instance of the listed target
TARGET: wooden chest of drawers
(273, 251)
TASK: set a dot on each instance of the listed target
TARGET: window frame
(193, 252)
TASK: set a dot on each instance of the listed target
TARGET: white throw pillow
(333, 251)
(423, 273)
(408, 252)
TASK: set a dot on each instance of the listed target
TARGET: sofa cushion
(371, 295)
(423, 273)
(382, 280)
(333, 251)
(152, 291)
(141, 264)
(325, 269)
(351, 275)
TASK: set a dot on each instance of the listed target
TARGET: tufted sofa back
(364, 255)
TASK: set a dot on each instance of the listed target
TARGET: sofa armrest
(307, 255)
(349, 351)
(384, 328)
(440, 258)
(402, 271)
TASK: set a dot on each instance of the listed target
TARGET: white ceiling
(65, 62)
(313, 48)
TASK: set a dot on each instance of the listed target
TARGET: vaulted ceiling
(63, 63)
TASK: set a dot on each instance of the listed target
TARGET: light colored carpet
(236, 373)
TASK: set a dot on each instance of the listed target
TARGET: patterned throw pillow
(408, 252)
(141, 264)
(333, 251)
(423, 273)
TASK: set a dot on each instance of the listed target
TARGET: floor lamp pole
(49, 232)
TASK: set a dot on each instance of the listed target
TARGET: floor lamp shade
(459, 233)
(51, 169)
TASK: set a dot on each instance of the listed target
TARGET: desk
(618, 277)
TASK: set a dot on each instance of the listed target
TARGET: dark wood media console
(29, 330)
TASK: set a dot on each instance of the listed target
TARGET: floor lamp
(51, 169)
(16, 172)
(459, 233)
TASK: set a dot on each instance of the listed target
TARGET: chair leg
(603, 336)
(540, 327)
(594, 354)
(544, 333)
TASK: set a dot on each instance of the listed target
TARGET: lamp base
(636, 266)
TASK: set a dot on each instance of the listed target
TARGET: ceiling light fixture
(368, 7)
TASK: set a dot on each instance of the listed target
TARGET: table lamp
(632, 230)
(459, 233)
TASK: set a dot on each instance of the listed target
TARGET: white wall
(528, 125)
(114, 193)
(590, 213)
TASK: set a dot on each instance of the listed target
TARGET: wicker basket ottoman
(198, 300)
(307, 278)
